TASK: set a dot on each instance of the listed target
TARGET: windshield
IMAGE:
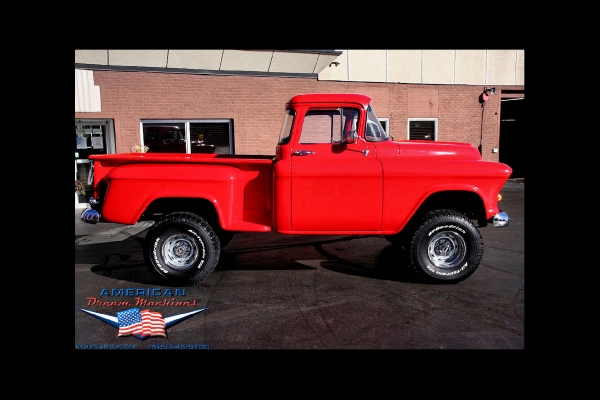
(374, 132)
(286, 127)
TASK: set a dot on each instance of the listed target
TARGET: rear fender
(132, 188)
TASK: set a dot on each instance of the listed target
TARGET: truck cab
(327, 166)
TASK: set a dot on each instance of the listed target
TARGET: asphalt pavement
(272, 291)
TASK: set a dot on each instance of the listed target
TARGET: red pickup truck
(335, 171)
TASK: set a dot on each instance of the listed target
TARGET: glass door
(91, 137)
(83, 182)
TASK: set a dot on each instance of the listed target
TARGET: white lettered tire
(446, 247)
(181, 248)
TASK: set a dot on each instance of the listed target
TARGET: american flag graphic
(141, 324)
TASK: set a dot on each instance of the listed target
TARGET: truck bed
(240, 185)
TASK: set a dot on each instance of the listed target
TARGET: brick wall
(256, 106)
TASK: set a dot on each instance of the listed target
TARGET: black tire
(446, 247)
(181, 248)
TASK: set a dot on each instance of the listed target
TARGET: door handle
(303, 152)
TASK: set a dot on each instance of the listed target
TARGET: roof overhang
(293, 63)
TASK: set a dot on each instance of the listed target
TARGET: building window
(188, 136)
(210, 137)
(164, 137)
(423, 129)
(384, 124)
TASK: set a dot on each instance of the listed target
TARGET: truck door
(335, 186)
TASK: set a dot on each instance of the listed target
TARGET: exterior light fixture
(486, 94)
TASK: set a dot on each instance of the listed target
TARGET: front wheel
(181, 248)
(446, 247)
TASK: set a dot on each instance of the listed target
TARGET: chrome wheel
(181, 251)
(447, 250)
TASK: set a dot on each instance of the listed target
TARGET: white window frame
(187, 122)
(385, 123)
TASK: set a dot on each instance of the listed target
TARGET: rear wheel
(181, 248)
(446, 247)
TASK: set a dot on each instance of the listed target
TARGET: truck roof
(331, 98)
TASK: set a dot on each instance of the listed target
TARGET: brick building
(232, 101)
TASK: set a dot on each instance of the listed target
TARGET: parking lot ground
(273, 291)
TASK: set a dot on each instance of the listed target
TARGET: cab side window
(319, 125)
(328, 126)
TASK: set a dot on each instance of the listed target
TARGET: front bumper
(91, 215)
(501, 219)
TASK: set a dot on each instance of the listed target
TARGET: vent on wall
(422, 129)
